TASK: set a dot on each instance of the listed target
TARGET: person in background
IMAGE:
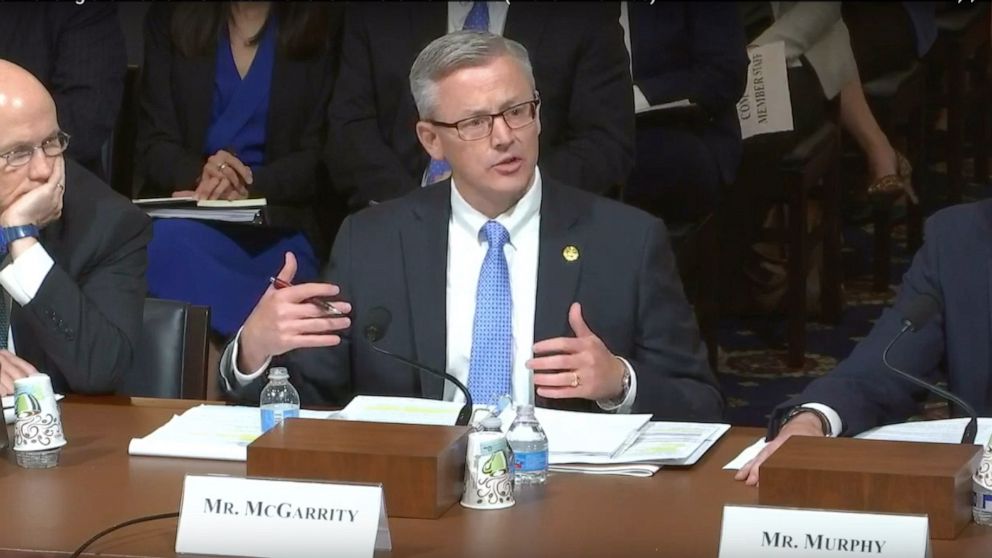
(513, 281)
(231, 107)
(78, 53)
(73, 253)
(582, 73)
(685, 51)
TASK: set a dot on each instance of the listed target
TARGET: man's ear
(427, 134)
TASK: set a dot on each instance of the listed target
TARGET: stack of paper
(208, 432)
(403, 410)
(659, 443)
(575, 436)
(232, 211)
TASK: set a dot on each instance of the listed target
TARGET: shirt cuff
(231, 359)
(628, 402)
(836, 426)
(640, 101)
(25, 274)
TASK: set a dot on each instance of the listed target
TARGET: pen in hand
(327, 305)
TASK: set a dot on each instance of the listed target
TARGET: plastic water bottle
(279, 399)
(981, 504)
(530, 447)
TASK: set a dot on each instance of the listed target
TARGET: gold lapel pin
(570, 253)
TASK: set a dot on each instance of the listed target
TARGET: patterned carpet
(753, 373)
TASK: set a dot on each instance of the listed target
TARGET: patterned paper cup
(38, 436)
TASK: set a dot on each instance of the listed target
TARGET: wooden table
(676, 513)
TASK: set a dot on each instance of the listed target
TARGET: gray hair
(454, 51)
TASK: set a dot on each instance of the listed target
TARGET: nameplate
(762, 531)
(236, 516)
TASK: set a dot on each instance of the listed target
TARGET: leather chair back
(172, 357)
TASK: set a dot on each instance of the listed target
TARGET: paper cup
(488, 472)
(38, 436)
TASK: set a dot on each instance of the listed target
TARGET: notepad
(231, 211)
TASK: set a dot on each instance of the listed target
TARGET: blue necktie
(492, 332)
(476, 20)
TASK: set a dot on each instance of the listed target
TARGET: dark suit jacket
(580, 66)
(695, 51)
(78, 53)
(955, 263)
(84, 324)
(176, 96)
(395, 255)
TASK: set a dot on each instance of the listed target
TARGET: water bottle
(530, 447)
(981, 504)
(279, 399)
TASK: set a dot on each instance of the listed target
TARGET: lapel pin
(570, 253)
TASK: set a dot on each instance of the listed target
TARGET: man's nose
(41, 166)
(502, 134)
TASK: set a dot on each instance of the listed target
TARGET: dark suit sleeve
(363, 167)
(162, 156)
(321, 375)
(293, 178)
(674, 380)
(862, 391)
(88, 76)
(596, 149)
(90, 327)
(717, 75)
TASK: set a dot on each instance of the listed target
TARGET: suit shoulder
(88, 198)
(962, 222)
(611, 212)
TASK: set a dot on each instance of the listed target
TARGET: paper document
(766, 106)
(947, 431)
(188, 201)
(8, 407)
(403, 410)
(584, 434)
(232, 211)
(209, 432)
(681, 103)
(748, 454)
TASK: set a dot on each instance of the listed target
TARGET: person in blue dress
(232, 105)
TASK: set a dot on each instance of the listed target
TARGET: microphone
(916, 314)
(379, 319)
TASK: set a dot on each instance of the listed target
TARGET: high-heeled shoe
(892, 186)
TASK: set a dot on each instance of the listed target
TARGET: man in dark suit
(954, 266)
(476, 268)
(78, 53)
(73, 253)
(579, 60)
(697, 52)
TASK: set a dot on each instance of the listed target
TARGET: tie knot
(496, 234)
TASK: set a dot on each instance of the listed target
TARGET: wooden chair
(811, 171)
(963, 37)
(898, 102)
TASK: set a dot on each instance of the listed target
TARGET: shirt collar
(514, 219)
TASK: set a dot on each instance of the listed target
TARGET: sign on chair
(761, 532)
(234, 516)
(766, 106)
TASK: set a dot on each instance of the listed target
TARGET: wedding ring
(222, 166)
(60, 186)
(575, 380)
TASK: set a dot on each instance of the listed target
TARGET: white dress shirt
(21, 279)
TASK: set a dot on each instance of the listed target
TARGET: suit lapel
(525, 24)
(425, 264)
(557, 277)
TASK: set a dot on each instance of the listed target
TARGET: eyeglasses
(481, 126)
(51, 147)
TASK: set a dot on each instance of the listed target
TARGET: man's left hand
(579, 366)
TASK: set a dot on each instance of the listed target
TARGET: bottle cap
(278, 373)
(492, 423)
(525, 410)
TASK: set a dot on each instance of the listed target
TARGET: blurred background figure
(78, 54)
(232, 104)
(685, 50)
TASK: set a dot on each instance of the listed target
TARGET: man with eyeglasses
(513, 282)
(72, 253)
